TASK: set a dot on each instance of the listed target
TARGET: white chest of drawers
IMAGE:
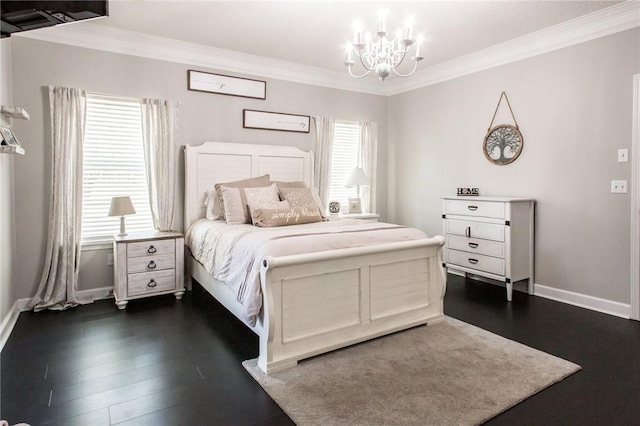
(490, 237)
(148, 264)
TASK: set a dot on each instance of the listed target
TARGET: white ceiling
(314, 33)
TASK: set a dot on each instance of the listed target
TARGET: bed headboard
(213, 162)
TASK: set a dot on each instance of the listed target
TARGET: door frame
(635, 202)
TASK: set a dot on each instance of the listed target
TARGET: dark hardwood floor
(168, 362)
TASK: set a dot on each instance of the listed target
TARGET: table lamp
(121, 206)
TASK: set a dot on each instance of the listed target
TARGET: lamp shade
(357, 177)
(121, 206)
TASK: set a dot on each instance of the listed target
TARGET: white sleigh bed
(356, 294)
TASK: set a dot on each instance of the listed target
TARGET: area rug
(450, 373)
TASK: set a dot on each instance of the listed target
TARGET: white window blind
(344, 158)
(113, 165)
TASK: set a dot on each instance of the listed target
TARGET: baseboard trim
(605, 306)
(9, 321)
(22, 305)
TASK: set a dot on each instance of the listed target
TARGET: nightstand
(148, 264)
(365, 217)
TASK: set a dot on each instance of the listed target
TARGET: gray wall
(203, 117)
(574, 108)
(7, 235)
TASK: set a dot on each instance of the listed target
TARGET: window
(113, 165)
(344, 157)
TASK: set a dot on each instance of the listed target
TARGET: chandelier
(381, 55)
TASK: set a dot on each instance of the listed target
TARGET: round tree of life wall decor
(503, 143)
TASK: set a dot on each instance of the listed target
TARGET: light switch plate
(623, 155)
(618, 186)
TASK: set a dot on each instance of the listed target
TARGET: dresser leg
(122, 304)
(509, 291)
(179, 294)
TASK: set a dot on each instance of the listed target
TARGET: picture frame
(265, 120)
(355, 205)
(8, 137)
(9, 142)
(200, 81)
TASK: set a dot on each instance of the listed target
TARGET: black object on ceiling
(23, 15)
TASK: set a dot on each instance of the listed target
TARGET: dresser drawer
(474, 245)
(151, 248)
(485, 231)
(490, 209)
(492, 265)
(151, 263)
(151, 282)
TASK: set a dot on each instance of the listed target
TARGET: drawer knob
(472, 208)
(152, 283)
(473, 245)
(473, 261)
(151, 250)
(152, 265)
(467, 232)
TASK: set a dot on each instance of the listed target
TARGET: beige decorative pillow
(254, 208)
(293, 184)
(264, 180)
(284, 217)
(263, 196)
(299, 197)
(233, 204)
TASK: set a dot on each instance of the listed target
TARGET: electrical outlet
(618, 186)
(110, 258)
(623, 155)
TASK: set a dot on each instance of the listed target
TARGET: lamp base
(122, 230)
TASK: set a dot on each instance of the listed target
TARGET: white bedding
(233, 253)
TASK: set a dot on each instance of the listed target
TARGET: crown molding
(608, 21)
(611, 20)
(109, 39)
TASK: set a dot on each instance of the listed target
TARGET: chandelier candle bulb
(382, 29)
(409, 32)
(357, 34)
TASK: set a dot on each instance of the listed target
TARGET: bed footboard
(318, 302)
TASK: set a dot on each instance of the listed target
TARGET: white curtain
(58, 285)
(322, 163)
(160, 132)
(369, 161)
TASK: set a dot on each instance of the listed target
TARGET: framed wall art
(200, 81)
(252, 119)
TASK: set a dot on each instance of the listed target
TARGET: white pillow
(212, 202)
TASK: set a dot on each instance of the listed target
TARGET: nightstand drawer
(485, 231)
(475, 208)
(151, 263)
(492, 265)
(151, 248)
(151, 282)
(474, 245)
